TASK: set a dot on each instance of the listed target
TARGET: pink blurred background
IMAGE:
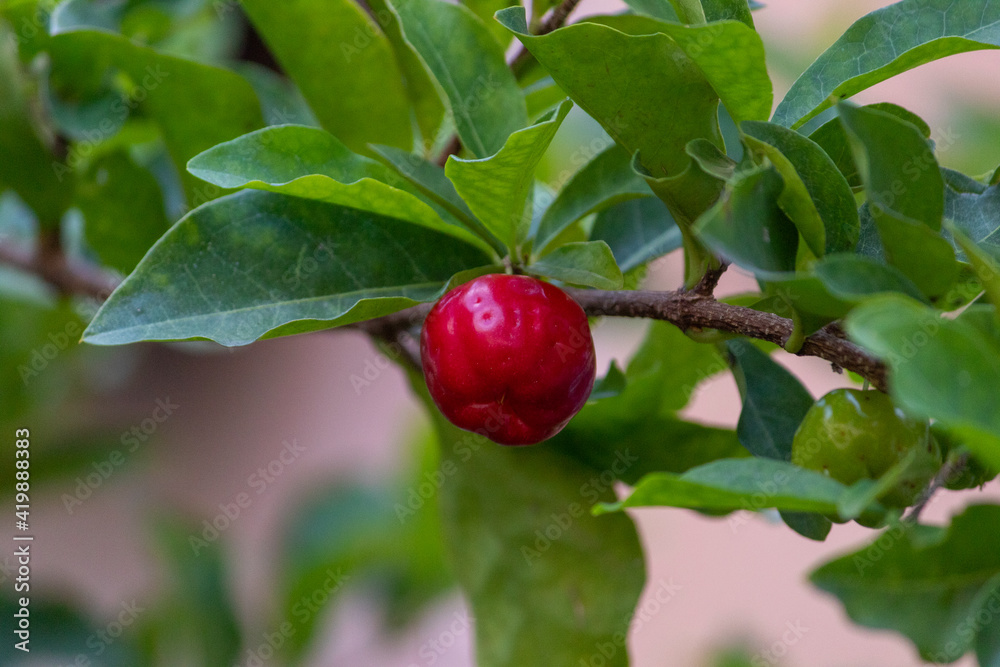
(737, 584)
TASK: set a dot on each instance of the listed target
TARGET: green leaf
(658, 9)
(343, 64)
(817, 197)
(485, 9)
(930, 590)
(748, 226)
(906, 194)
(976, 214)
(774, 402)
(26, 165)
(885, 43)
(606, 180)
(612, 384)
(590, 264)
(728, 485)
(939, 368)
(429, 179)
(195, 105)
(123, 211)
(497, 188)
(985, 265)
(313, 164)
(722, 10)
(529, 555)
(260, 263)
(637, 231)
(854, 278)
(468, 64)
(594, 63)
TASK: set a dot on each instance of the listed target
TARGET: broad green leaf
(805, 299)
(832, 138)
(429, 179)
(281, 101)
(604, 181)
(817, 197)
(658, 9)
(26, 164)
(930, 585)
(774, 402)
(428, 107)
(313, 164)
(468, 64)
(885, 43)
(985, 265)
(637, 230)
(594, 63)
(496, 188)
(342, 63)
(485, 9)
(123, 210)
(976, 214)
(939, 368)
(853, 278)
(906, 195)
(529, 555)
(728, 485)
(196, 106)
(258, 263)
(590, 264)
(748, 226)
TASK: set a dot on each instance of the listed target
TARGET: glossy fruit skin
(509, 357)
(851, 435)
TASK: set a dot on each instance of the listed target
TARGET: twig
(556, 20)
(693, 311)
(52, 266)
(706, 286)
(940, 479)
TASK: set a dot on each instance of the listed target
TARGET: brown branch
(555, 20)
(706, 286)
(65, 275)
(693, 311)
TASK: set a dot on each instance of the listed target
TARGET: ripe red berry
(509, 357)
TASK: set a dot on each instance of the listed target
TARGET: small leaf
(590, 264)
(885, 43)
(749, 227)
(774, 402)
(612, 384)
(468, 64)
(497, 188)
(722, 10)
(930, 590)
(637, 231)
(728, 485)
(606, 180)
(853, 278)
(259, 263)
(941, 369)
(816, 197)
(906, 195)
(342, 63)
(986, 266)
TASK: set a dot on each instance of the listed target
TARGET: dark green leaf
(496, 188)
(819, 200)
(933, 591)
(906, 195)
(612, 384)
(428, 178)
(590, 264)
(722, 10)
(637, 231)
(774, 402)
(885, 43)
(485, 9)
(311, 163)
(259, 263)
(458, 50)
(977, 215)
(342, 63)
(658, 9)
(855, 277)
(940, 368)
(603, 182)
(749, 227)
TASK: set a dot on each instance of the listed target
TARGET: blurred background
(191, 502)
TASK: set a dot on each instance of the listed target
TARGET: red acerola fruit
(509, 357)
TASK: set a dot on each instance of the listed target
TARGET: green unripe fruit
(852, 435)
(972, 474)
